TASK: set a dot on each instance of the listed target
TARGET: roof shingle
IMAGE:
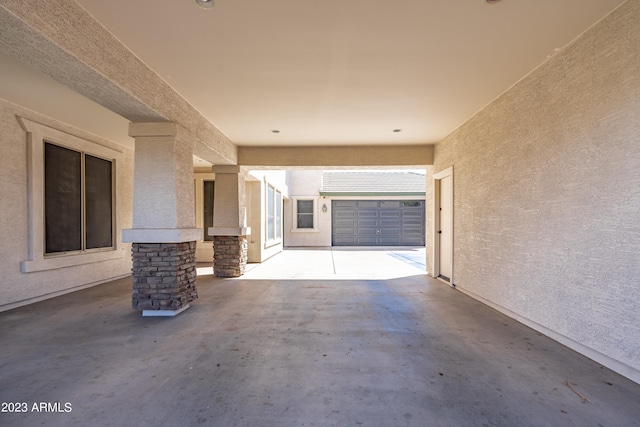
(373, 182)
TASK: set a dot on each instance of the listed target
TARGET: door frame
(448, 172)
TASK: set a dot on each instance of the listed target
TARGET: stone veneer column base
(164, 277)
(229, 255)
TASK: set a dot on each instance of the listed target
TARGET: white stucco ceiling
(344, 71)
(340, 71)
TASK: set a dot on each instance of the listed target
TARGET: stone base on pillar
(229, 255)
(164, 277)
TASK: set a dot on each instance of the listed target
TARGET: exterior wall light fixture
(324, 207)
(206, 4)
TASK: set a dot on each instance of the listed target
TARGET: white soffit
(344, 72)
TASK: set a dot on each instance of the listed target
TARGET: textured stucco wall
(16, 287)
(158, 199)
(307, 184)
(547, 195)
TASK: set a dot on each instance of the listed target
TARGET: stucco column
(164, 235)
(229, 229)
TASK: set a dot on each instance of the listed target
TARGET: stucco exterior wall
(318, 237)
(306, 184)
(547, 196)
(18, 288)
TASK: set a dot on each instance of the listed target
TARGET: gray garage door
(378, 223)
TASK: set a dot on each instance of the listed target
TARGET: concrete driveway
(341, 263)
(308, 338)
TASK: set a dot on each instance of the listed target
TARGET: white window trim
(294, 222)
(277, 239)
(37, 134)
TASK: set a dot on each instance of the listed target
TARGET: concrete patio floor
(308, 338)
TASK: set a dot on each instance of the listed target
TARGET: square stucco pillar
(229, 229)
(163, 236)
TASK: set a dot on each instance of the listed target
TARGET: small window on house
(304, 209)
(207, 208)
(78, 201)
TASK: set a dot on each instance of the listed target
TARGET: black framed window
(78, 193)
(207, 213)
(98, 202)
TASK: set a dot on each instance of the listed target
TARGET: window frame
(278, 214)
(83, 204)
(306, 214)
(38, 259)
(273, 211)
(294, 221)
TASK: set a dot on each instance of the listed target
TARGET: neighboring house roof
(369, 183)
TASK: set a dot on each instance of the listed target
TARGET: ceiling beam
(336, 156)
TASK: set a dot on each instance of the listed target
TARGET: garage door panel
(390, 222)
(345, 223)
(389, 241)
(367, 231)
(410, 232)
(390, 232)
(364, 223)
(344, 213)
(366, 241)
(366, 204)
(394, 204)
(412, 241)
(345, 203)
(344, 241)
(367, 213)
(378, 222)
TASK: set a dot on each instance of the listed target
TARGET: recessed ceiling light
(492, 1)
(397, 130)
(207, 4)
(275, 131)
